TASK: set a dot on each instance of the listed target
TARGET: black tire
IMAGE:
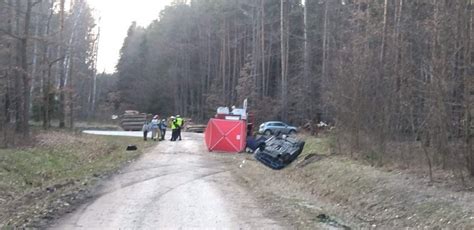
(292, 132)
(268, 132)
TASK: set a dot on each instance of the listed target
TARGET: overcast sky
(116, 16)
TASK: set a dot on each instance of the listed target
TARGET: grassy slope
(356, 194)
(390, 198)
(38, 181)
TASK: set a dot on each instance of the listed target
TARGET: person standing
(145, 129)
(163, 127)
(174, 129)
(180, 123)
(154, 128)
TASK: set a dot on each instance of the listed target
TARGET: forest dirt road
(177, 185)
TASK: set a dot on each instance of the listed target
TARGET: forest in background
(48, 51)
(395, 77)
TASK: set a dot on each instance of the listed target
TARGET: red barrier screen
(226, 135)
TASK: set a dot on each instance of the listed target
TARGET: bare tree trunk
(284, 27)
(229, 63)
(92, 95)
(255, 50)
(270, 50)
(306, 63)
(209, 54)
(10, 74)
(46, 75)
(223, 61)
(71, 92)
(384, 34)
(428, 160)
(48, 95)
(71, 41)
(468, 85)
(234, 74)
(25, 76)
(325, 42)
(384, 100)
(34, 68)
(262, 39)
(308, 82)
(18, 97)
(62, 70)
(398, 58)
(68, 62)
(46, 88)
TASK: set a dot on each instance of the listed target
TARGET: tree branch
(36, 2)
(10, 34)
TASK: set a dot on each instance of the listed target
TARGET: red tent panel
(226, 135)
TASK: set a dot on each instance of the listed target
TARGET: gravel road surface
(177, 185)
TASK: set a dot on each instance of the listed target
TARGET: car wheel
(292, 132)
(267, 132)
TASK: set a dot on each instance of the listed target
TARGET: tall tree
(62, 69)
(284, 27)
(331, 64)
(37, 37)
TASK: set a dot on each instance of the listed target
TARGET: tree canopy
(381, 71)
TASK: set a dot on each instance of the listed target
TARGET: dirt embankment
(319, 187)
(42, 182)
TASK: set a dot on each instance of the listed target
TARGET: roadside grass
(81, 125)
(352, 192)
(317, 145)
(59, 161)
(380, 196)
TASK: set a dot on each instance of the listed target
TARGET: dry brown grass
(356, 194)
(35, 180)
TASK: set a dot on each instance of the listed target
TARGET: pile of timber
(133, 120)
(195, 128)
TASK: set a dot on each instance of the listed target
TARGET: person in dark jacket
(163, 127)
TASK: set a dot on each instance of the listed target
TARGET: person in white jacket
(145, 129)
(155, 122)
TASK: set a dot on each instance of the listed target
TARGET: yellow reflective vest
(173, 124)
(179, 121)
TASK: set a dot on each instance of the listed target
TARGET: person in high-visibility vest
(174, 128)
(180, 123)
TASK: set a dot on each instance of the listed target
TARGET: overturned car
(279, 151)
